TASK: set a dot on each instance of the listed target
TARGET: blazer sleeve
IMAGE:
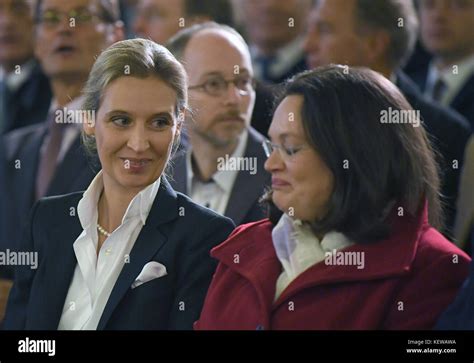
(15, 315)
(195, 277)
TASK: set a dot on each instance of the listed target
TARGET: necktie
(49, 156)
(439, 89)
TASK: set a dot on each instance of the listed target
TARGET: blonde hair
(139, 58)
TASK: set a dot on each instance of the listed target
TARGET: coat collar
(149, 242)
(259, 264)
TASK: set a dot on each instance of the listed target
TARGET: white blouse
(298, 248)
(95, 275)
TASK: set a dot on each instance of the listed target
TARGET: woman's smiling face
(135, 127)
(302, 183)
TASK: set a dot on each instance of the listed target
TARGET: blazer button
(260, 327)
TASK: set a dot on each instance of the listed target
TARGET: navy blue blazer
(243, 205)
(178, 234)
(464, 100)
(22, 148)
(449, 133)
(30, 103)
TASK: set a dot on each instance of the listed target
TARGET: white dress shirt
(297, 248)
(215, 194)
(453, 81)
(96, 275)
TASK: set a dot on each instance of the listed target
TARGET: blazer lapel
(148, 244)
(464, 97)
(70, 170)
(248, 188)
(30, 157)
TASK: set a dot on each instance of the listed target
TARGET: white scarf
(298, 248)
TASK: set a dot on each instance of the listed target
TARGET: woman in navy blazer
(130, 252)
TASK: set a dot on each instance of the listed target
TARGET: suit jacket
(3, 206)
(22, 148)
(465, 216)
(30, 103)
(180, 242)
(462, 102)
(408, 280)
(243, 205)
(263, 110)
(299, 66)
(449, 133)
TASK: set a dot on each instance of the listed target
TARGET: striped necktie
(49, 155)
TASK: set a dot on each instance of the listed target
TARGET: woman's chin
(136, 180)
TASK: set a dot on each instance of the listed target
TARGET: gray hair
(178, 43)
(398, 18)
(139, 58)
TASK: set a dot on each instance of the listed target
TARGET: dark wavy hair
(391, 165)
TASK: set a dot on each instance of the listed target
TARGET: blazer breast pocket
(151, 271)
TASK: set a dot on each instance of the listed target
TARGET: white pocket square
(152, 270)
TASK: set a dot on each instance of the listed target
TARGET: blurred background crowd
(48, 47)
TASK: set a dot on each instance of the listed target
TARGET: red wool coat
(407, 281)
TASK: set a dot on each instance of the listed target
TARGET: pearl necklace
(102, 230)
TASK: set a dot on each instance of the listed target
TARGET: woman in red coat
(348, 243)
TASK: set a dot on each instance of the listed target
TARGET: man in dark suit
(46, 159)
(446, 32)
(223, 167)
(366, 33)
(274, 30)
(25, 93)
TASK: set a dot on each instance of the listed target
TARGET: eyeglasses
(52, 18)
(286, 152)
(217, 86)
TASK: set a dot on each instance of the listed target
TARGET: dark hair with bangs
(390, 165)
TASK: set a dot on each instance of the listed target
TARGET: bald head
(217, 61)
(216, 49)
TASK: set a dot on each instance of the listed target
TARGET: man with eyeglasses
(47, 159)
(25, 93)
(159, 20)
(223, 167)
